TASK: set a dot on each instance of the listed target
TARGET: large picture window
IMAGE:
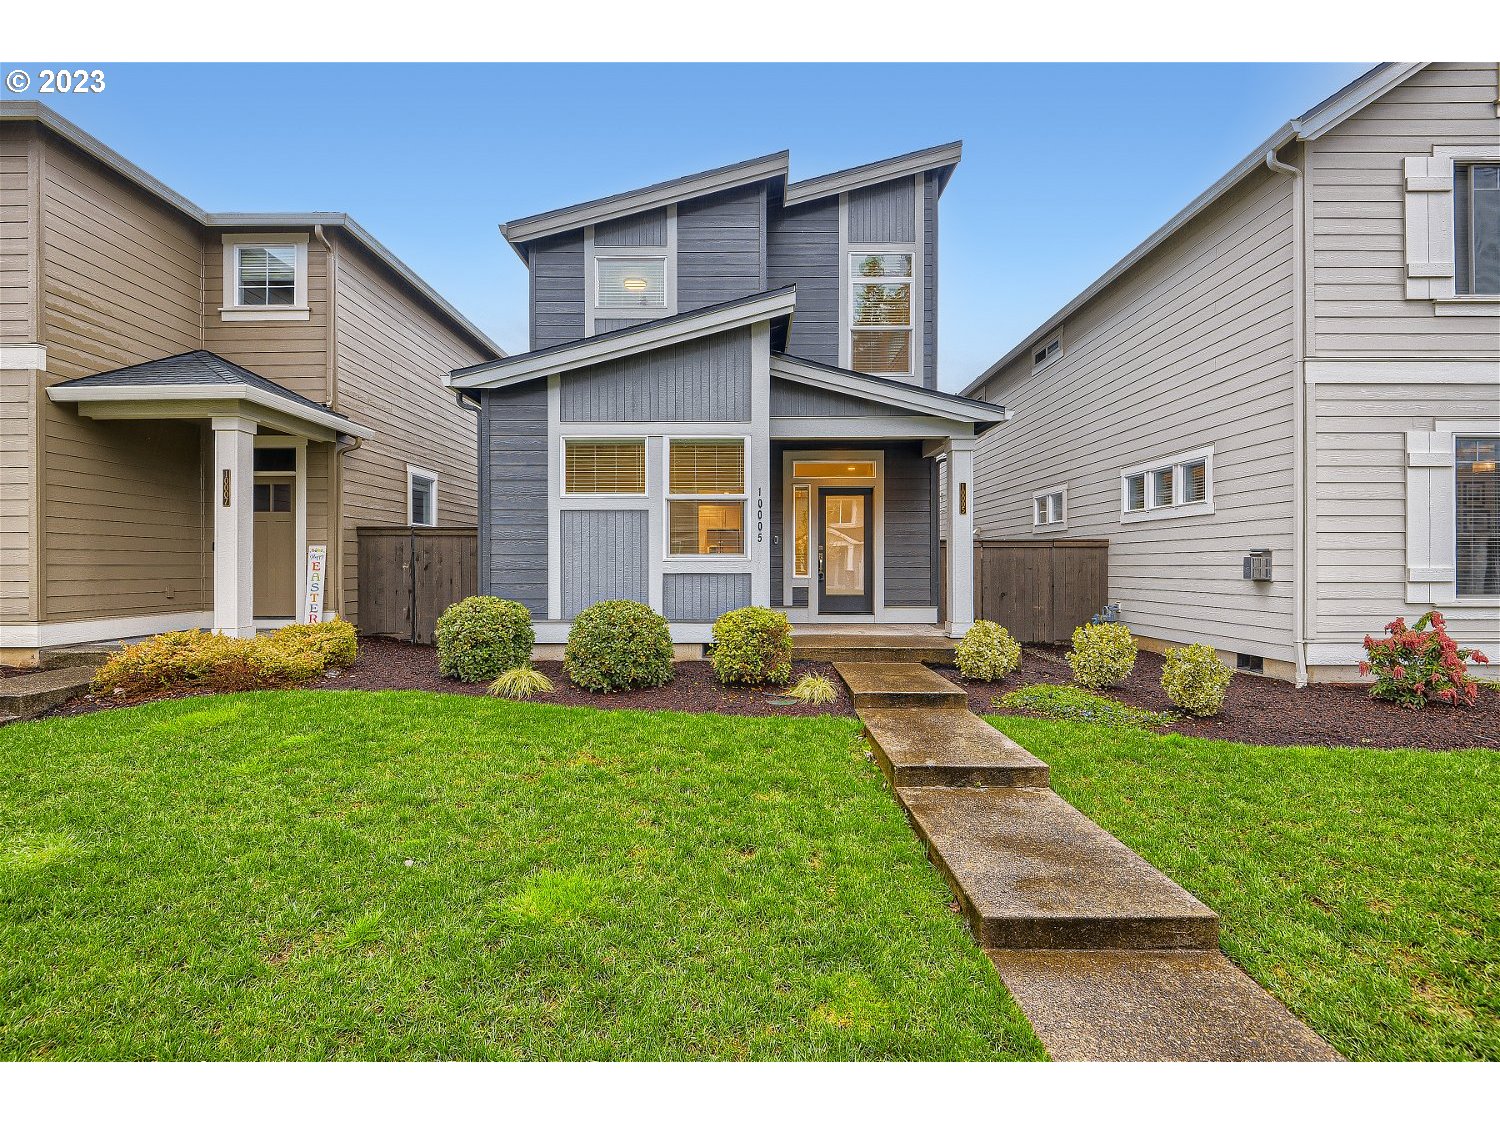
(880, 331)
(1476, 229)
(706, 496)
(595, 467)
(1477, 516)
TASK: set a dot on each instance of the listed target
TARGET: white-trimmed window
(265, 277)
(1476, 511)
(421, 497)
(706, 496)
(881, 326)
(1181, 485)
(1049, 509)
(631, 284)
(604, 466)
(1476, 229)
(1047, 352)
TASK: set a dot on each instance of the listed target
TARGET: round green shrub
(1102, 655)
(618, 645)
(478, 638)
(1195, 680)
(987, 652)
(752, 646)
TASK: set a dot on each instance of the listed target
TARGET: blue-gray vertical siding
(513, 511)
(884, 212)
(930, 280)
(702, 597)
(803, 250)
(719, 239)
(704, 380)
(646, 229)
(604, 556)
(556, 298)
(910, 543)
(798, 400)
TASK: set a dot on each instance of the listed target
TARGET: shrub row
(192, 658)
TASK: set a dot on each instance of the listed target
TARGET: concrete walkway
(1108, 957)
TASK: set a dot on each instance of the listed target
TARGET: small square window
(1049, 509)
(265, 275)
(631, 283)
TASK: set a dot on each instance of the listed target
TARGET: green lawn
(1361, 887)
(315, 875)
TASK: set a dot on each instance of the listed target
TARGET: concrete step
(1032, 872)
(919, 746)
(22, 697)
(883, 649)
(76, 656)
(1134, 1006)
(899, 685)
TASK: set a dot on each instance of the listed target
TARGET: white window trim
(591, 255)
(913, 250)
(1038, 365)
(1059, 524)
(1155, 511)
(615, 439)
(1432, 514)
(415, 473)
(743, 497)
(1431, 261)
(231, 311)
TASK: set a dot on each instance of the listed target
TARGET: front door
(275, 546)
(846, 554)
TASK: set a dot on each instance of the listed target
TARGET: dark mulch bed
(1272, 712)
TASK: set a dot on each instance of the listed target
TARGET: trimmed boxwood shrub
(618, 645)
(478, 638)
(1195, 680)
(987, 652)
(752, 646)
(1102, 655)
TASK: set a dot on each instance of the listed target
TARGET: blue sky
(1066, 166)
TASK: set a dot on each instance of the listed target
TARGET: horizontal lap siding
(513, 523)
(910, 547)
(17, 388)
(604, 557)
(1192, 347)
(720, 240)
(802, 249)
(1356, 216)
(797, 400)
(17, 234)
(705, 380)
(703, 597)
(556, 272)
(646, 229)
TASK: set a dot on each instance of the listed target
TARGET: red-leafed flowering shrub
(1414, 665)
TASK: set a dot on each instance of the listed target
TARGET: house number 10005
(760, 516)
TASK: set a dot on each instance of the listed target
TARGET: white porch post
(959, 530)
(234, 526)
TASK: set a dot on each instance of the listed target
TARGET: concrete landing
(1112, 1006)
(899, 685)
(22, 697)
(922, 746)
(882, 648)
(1032, 872)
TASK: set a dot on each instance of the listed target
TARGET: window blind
(267, 275)
(605, 467)
(707, 468)
(631, 283)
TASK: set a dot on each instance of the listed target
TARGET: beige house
(1283, 408)
(191, 404)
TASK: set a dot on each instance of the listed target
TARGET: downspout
(341, 446)
(1299, 414)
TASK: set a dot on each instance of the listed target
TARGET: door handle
(820, 564)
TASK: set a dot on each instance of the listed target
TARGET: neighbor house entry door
(275, 545)
(846, 555)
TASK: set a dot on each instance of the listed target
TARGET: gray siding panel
(910, 546)
(930, 280)
(796, 400)
(513, 515)
(778, 542)
(706, 380)
(803, 250)
(719, 240)
(609, 324)
(646, 229)
(556, 290)
(604, 556)
(703, 597)
(884, 212)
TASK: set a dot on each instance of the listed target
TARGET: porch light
(634, 284)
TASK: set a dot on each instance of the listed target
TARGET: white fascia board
(646, 199)
(213, 392)
(893, 394)
(600, 349)
(836, 183)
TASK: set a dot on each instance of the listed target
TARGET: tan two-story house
(193, 405)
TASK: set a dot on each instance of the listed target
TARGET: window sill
(252, 314)
(1485, 305)
(1180, 511)
(1049, 528)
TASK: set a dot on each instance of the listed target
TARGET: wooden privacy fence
(409, 575)
(1040, 590)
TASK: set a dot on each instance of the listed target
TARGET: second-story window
(631, 283)
(265, 275)
(1476, 229)
(880, 328)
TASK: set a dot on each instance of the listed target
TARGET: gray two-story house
(730, 399)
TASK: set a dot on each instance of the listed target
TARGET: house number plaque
(760, 516)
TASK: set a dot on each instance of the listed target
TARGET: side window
(421, 489)
(881, 327)
(1476, 229)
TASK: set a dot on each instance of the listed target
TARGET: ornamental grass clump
(752, 646)
(987, 652)
(520, 683)
(812, 688)
(618, 646)
(1195, 680)
(480, 637)
(1102, 655)
(1413, 666)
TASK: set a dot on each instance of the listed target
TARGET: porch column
(959, 530)
(234, 526)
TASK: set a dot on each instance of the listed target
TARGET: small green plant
(480, 637)
(617, 646)
(1102, 655)
(987, 652)
(1414, 665)
(1195, 679)
(752, 646)
(1063, 701)
(812, 688)
(520, 683)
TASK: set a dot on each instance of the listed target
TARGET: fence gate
(1040, 590)
(409, 575)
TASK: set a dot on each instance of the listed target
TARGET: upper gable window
(1476, 229)
(631, 283)
(881, 326)
(1047, 352)
(265, 277)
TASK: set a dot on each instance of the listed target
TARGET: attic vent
(1046, 352)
